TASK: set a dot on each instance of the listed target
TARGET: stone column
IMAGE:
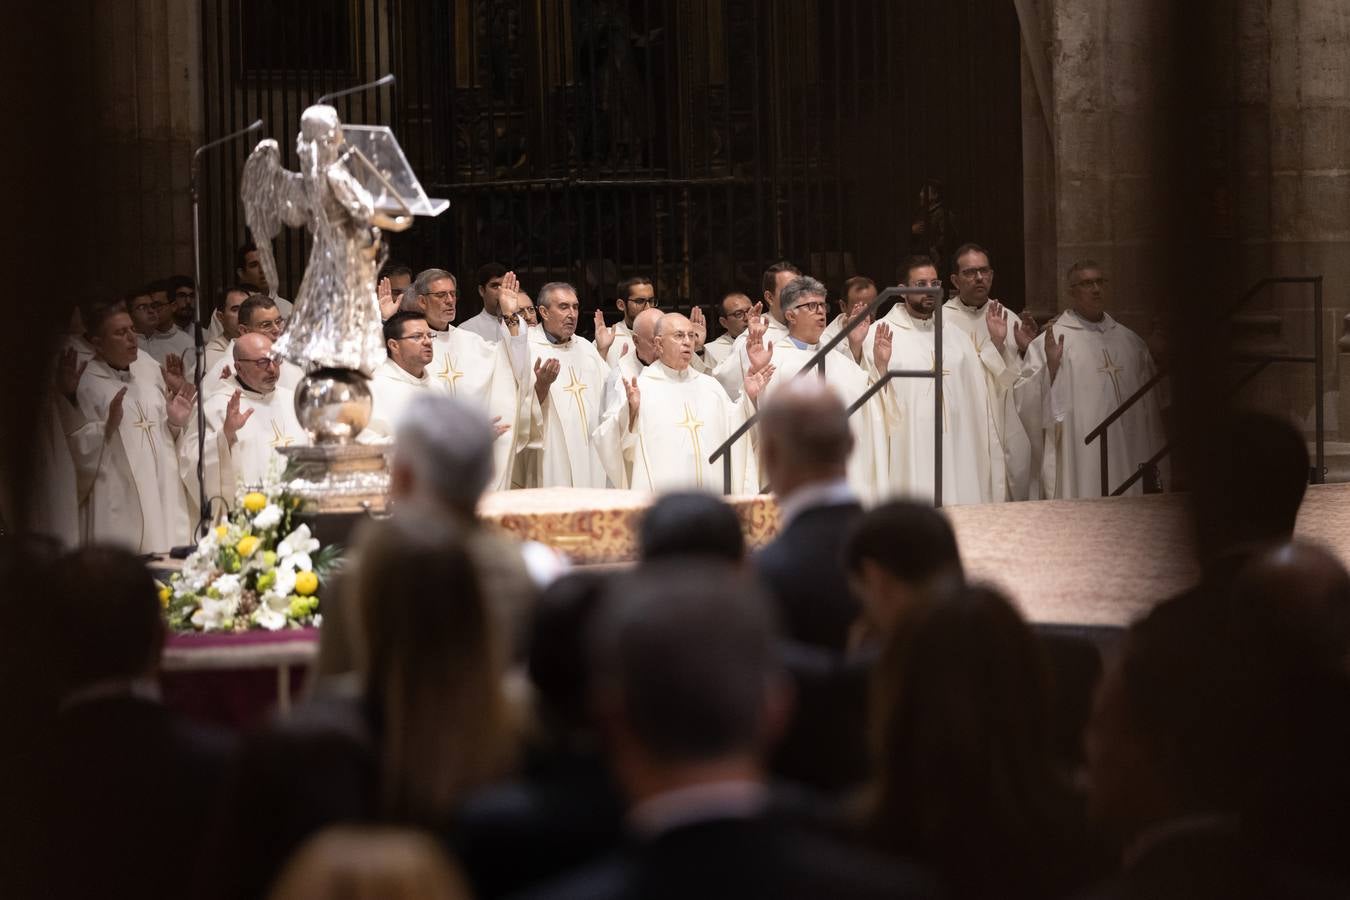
(147, 92)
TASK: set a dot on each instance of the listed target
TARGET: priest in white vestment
(67, 447)
(731, 371)
(859, 291)
(905, 339)
(988, 323)
(664, 423)
(804, 305)
(408, 341)
(635, 295)
(562, 409)
(481, 372)
(490, 324)
(226, 317)
(258, 314)
(632, 360)
(137, 497)
(733, 314)
(245, 427)
(1081, 369)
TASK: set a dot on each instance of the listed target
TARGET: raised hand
(758, 353)
(172, 370)
(226, 374)
(234, 419)
(755, 383)
(384, 292)
(604, 335)
(498, 429)
(623, 351)
(858, 334)
(756, 311)
(179, 405)
(68, 373)
(1025, 331)
(700, 328)
(508, 301)
(881, 348)
(545, 373)
(114, 420)
(630, 387)
(998, 326)
(1054, 351)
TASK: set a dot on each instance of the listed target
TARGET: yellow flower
(254, 501)
(221, 531)
(306, 583)
(247, 544)
(164, 595)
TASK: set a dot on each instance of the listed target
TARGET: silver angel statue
(336, 319)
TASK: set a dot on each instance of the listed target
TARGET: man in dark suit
(804, 446)
(689, 694)
(130, 783)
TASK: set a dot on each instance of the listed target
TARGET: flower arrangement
(257, 569)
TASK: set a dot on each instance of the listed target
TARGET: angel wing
(272, 197)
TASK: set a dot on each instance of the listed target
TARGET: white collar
(809, 496)
(396, 372)
(1074, 320)
(732, 799)
(957, 303)
(661, 369)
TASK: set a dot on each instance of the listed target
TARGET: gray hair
(448, 445)
(688, 650)
(797, 290)
(422, 283)
(545, 298)
(408, 301)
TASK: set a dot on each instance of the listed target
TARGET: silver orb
(333, 405)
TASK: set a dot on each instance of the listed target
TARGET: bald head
(804, 435)
(644, 334)
(254, 365)
(674, 344)
(1300, 590)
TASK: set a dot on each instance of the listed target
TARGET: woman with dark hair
(966, 780)
(428, 722)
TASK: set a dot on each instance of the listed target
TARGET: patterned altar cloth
(596, 526)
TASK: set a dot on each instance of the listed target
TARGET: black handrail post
(726, 473)
(1106, 477)
(1319, 474)
(937, 403)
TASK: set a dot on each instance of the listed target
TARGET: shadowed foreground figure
(690, 695)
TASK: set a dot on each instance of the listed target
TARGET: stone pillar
(1309, 139)
(147, 92)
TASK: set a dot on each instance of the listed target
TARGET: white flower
(199, 618)
(318, 619)
(299, 562)
(298, 541)
(229, 586)
(269, 618)
(285, 583)
(268, 517)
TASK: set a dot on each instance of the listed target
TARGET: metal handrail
(817, 361)
(1262, 359)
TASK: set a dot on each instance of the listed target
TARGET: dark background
(692, 141)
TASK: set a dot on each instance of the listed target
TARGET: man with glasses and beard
(248, 424)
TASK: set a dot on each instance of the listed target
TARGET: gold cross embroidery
(1112, 371)
(279, 437)
(449, 373)
(146, 425)
(692, 425)
(576, 388)
(946, 419)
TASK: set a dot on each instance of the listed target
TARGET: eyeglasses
(741, 314)
(419, 336)
(262, 362)
(184, 294)
(936, 282)
(642, 301)
(1090, 283)
(982, 271)
(269, 325)
(812, 306)
(442, 296)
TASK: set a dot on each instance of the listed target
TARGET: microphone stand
(387, 78)
(199, 368)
